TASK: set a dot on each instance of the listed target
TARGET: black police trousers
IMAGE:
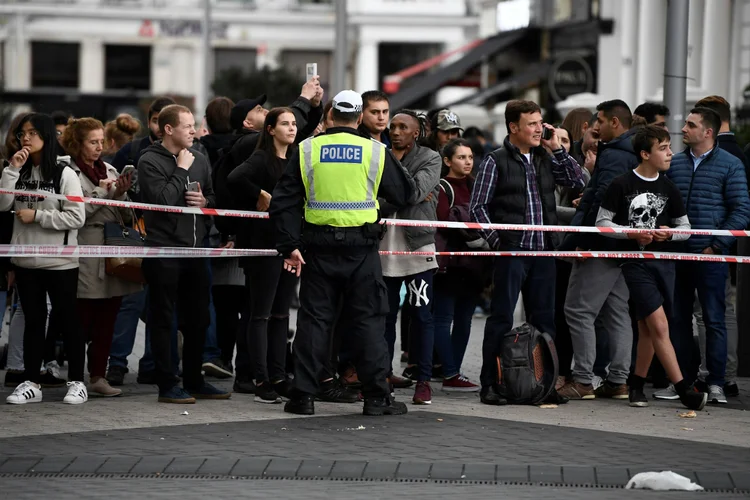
(353, 276)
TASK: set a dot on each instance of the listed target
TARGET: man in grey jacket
(171, 175)
(423, 164)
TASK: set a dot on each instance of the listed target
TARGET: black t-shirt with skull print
(643, 203)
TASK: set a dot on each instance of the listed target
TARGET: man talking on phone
(171, 174)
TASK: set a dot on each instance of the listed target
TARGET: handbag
(118, 234)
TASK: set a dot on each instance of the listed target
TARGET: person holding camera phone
(172, 175)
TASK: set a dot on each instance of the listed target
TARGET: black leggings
(229, 302)
(62, 286)
(270, 294)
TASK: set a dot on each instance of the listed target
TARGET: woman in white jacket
(45, 221)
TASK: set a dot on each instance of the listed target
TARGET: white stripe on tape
(693, 257)
(220, 212)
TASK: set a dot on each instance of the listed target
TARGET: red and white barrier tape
(182, 252)
(220, 212)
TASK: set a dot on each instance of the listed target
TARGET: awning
(429, 83)
(523, 78)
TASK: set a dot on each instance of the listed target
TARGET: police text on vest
(340, 153)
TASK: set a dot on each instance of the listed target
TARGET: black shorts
(651, 285)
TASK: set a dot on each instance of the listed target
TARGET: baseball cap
(448, 120)
(242, 108)
(348, 101)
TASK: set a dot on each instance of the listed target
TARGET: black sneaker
(264, 393)
(555, 398)
(217, 368)
(146, 378)
(48, 380)
(701, 385)
(489, 396)
(694, 400)
(244, 385)
(207, 391)
(176, 395)
(14, 378)
(283, 388)
(376, 407)
(637, 398)
(731, 389)
(334, 391)
(116, 375)
(411, 372)
(303, 404)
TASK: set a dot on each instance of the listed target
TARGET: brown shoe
(574, 390)
(613, 391)
(400, 382)
(349, 378)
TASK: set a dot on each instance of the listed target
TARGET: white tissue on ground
(662, 481)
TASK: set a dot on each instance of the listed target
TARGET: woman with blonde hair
(117, 133)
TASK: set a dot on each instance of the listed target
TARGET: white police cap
(348, 101)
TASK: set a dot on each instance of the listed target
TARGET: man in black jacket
(597, 287)
(172, 175)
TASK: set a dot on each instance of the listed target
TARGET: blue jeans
(422, 335)
(535, 277)
(709, 279)
(211, 348)
(126, 325)
(454, 306)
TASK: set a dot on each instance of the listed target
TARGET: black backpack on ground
(527, 365)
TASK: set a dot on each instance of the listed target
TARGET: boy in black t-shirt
(644, 198)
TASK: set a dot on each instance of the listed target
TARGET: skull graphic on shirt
(644, 210)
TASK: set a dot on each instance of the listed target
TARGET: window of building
(295, 62)
(395, 57)
(55, 64)
(243, 59)
(127, 67)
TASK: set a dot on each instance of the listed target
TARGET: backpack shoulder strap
(446, 187)
(57, 181)
(551, 362)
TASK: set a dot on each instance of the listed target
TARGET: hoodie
(214, 143)
(55, 222)
(164, 183)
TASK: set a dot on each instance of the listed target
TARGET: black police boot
(301, 404)
(376, 407)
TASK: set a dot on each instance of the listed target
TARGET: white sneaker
(76, 394)
(670, 393)
(27, 392)
(716, 395)
(52, 368)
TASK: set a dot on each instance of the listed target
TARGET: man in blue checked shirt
(515, 184)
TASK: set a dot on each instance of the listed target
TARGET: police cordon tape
(86, 251)
(220, 212)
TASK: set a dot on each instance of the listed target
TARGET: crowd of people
(616, 323)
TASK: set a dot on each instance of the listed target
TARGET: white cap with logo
(348, 101)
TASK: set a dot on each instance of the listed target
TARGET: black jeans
(229, 303)
(352, 274)
(33, 287)
(270, 295)
(182, 284)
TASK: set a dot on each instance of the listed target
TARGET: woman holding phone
(45, 221)
(99, 295)
(270, 290)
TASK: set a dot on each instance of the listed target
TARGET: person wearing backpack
(460, 280)
(45, 221)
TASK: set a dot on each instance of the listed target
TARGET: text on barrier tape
(221, 212)
(182, 252)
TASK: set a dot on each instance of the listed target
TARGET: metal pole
(675, 67)
(201, 98)
(340, 52)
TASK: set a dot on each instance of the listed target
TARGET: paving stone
(86, 464)
(513, 473)
(714, 480)
(118, 465)
(612, 476)
(348, 468)
(380, 470)
(578, 475)
(413, 470)
(218, 466)
(250, 467)
(54, 464)
(741, 480)
(545, 474)
(314, 468)
(151, 465)
(283, 467)
(19, 465)
(185, 465)
(446, 470)
(480, 472)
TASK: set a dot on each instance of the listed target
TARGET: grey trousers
(597, 289)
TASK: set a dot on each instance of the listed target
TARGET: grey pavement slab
(545, 474)
(348, 468)
(283, 467)
(86, 464)
(250, 467)
(612, 476)
(408, 470)
(715, 480)
(314, 468)
(741, 480)
(118, 465)
(151, 465)
(185, 465)
(572, 474)
(381, 470)
(53, 464)
(513, 473)
(21, 464)
(480, 472)
(218, 466)
(446, 470)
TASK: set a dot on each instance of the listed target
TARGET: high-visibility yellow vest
(341, 173)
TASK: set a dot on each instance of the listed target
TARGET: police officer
(332, 183)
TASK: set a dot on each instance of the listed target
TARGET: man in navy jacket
(714, 187)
